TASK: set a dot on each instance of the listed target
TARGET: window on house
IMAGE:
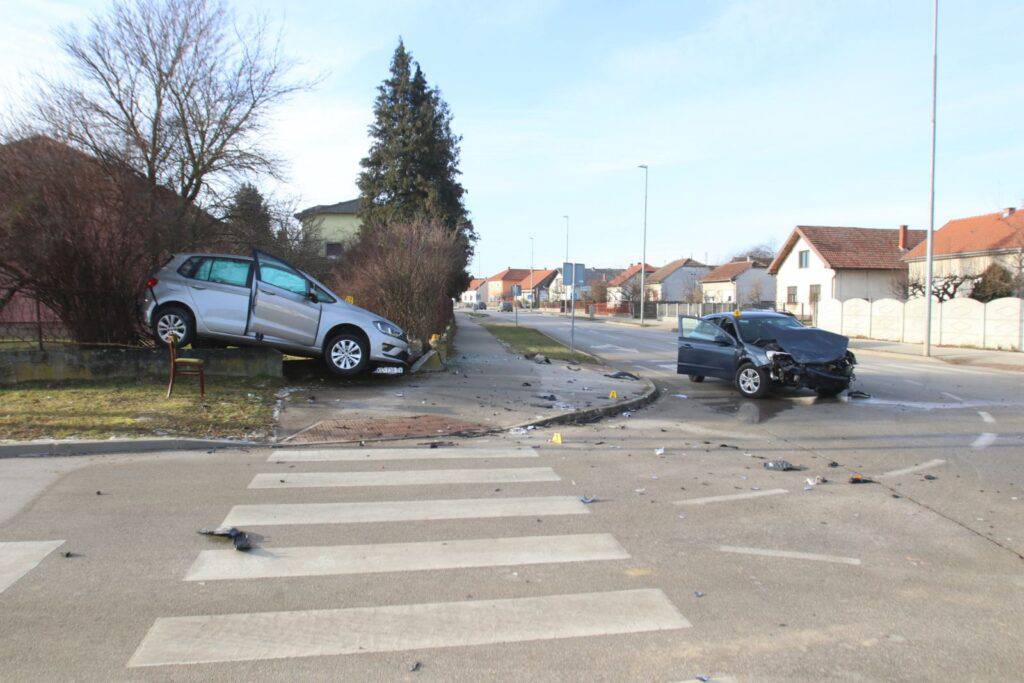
(333, 250)
(815, 295)
(790, 295)
(805, 258)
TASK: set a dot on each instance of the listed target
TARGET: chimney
(903, 238)
(1009, 211)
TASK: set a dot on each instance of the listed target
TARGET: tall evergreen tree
(248, 222)
(412, 170)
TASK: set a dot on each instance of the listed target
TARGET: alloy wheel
(750, 381)
(346, 354)
(170, 325)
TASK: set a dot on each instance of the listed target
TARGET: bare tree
(944, 287)
(764, 252)
(176, 89)
(899, 285)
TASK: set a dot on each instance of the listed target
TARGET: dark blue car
(757, 350)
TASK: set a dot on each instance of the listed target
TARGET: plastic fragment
(587, 500)
(779, 465)
(857, 478)
(659, 451)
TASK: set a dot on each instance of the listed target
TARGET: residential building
(967, 246)
(677, 281)
(474, 292)
(626, 285)
(819, 262)
(499, 287)
(741, 282)
(536, 286)
(338, 224)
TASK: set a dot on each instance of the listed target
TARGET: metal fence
(673, 309)
(24, 322)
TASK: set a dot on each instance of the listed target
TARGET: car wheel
(696, 379)
(176, 321)
(753, 382)
(346, 354)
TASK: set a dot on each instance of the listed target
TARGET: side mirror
(311, 295)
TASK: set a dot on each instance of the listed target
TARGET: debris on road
(930, 477)
(640, 491)
(622, 374)
(587, 500)
(238, 537)
(857, 478)
(659, 451)
(699, 594)
(541, 359)
(416, 667)
(547, 397)
(857, 394)
(833, 464)
(680, 396)
(527, 384)
(780, 466)
(627, 414)
(816, 480)
(69, 554)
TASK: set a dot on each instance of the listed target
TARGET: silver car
(264, 301)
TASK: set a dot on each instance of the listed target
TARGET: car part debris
(814, 481)
(527, 384)
(703, 677)
(930, 477)
(640, 491)
(857, 478)
(587, 500)
(238, 537)
(699, 594)
(622, 374)
(680, 396)
(780, 465)
(659, 451)
(857, 394)
(833, 464)
(541, 359)
(627, 414)
(68, 553)
(416, 666)
(547, 397)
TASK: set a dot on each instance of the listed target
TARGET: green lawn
(233, 407)
(528, 341)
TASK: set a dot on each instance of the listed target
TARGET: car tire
(175, 320)
(346, 354)
(752, 381)
(696, 379)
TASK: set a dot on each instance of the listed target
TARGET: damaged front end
(830, 377)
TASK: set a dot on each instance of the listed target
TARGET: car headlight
(388, 328)
(773, 354)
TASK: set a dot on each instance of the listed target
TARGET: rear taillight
(151, 282)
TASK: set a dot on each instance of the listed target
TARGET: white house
(474, 293)
(740, 282)
(626, 285)
(819, 262)
(677, 281)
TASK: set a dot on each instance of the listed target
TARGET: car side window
(322, 296)
(228, 271)
(700, 330)
(728, 327)
(283, 277)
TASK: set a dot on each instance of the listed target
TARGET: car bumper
(391, 351)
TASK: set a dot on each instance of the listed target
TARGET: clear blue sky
(754, 116)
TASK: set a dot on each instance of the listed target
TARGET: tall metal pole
(532, 293)
(570, 297)
(931, 208)
(643, 253)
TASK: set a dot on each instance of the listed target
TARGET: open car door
(705, 349)
(283, 305)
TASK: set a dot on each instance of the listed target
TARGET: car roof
(748, 314)
(234, 256)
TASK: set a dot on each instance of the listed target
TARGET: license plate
(389, 370)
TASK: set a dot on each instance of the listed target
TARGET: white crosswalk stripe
(402, 478)
(377, 454)
(276, 635)
(18, 558)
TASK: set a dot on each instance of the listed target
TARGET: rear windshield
(753, 329)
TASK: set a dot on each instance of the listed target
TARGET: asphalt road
(482, 562)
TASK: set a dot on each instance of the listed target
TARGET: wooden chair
(185, 366)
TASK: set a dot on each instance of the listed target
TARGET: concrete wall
(998, 324)
(70, 363)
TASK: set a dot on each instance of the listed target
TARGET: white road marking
(915, 468)
(788, 554)
(620, 349)
(984, 440)
(986, 417)
(911, 381)
(259, 563)
(375, 454)
(952, 396)
(18, 558)
(402, 511)
(734, 496)
(278, 635)
(401, 478)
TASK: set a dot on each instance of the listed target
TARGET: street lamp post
(643, 253)
(569, 298)
(532, 293)
(931, 217)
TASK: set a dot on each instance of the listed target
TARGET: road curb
(44, 449)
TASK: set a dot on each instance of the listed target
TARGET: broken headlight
(772, 355)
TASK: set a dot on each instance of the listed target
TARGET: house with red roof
(967, 246)
(498, 287)
(626, 285)
(676, 281)
(825, 262)
(474, 292)
(743, 281)
(536, 285)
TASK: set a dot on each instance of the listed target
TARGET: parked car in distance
(506, 307)
(264, 301)
(758, 350)
(480, 306)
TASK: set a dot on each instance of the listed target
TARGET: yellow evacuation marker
(556, 438)
(350, 299)
(613, 394)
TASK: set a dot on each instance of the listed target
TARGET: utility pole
(643, 253)
(569, 298)
(931, 217)
(532, 293)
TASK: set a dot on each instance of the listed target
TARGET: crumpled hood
(811, 345)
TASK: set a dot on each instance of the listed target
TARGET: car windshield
(754, 329)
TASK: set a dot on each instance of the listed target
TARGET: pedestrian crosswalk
(205, 638)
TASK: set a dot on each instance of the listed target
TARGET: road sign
(574, 274)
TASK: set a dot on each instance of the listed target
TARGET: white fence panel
(856, 318)
(830, 315)
(1004, 326)
(962, 323)
(887, 320)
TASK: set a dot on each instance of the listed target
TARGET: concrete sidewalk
(485, 388)
(1000, 360)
